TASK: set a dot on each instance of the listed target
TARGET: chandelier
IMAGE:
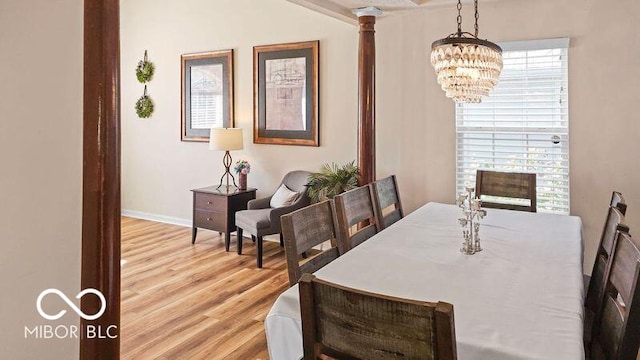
(467, 67)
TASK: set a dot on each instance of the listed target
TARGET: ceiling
(341, 9)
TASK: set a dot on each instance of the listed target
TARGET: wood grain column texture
(366, 100)
(101, 175)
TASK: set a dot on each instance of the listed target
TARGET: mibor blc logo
(73, 306)
(47, 331)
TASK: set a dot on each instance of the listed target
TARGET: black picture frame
(219, 81)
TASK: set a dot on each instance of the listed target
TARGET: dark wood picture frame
(188, 62)
(276, 94)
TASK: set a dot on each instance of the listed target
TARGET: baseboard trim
(158, 218)
(180, 222)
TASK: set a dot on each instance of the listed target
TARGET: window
(523, 126)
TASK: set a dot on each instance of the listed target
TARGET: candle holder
(473, 213)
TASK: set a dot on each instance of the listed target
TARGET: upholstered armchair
(261, 219)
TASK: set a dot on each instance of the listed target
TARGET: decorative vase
(242, 181)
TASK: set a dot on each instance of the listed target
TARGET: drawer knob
(208, 219)
(209, 202)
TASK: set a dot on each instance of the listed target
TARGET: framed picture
(285, 94)
(207, 93)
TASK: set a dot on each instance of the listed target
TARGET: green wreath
(144, 71)
(144, 107)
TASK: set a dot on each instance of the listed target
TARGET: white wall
(158, 169)
(416, 127)
(41, 175)
(415, 122)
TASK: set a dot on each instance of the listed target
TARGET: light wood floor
(183, 301)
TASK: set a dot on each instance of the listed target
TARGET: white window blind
(523, 126)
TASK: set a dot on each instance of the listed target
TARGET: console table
(215, 209)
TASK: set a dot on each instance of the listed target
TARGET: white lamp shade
(225, 139)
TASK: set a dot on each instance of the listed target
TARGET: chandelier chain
(459, 18)
(477, 17)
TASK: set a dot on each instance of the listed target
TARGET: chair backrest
(386, 200)
(297, 181)
(355, 217)
(617, 335)
(613, 223)
(617, 200)
(302, 230)
(346, 323)
(507, 185)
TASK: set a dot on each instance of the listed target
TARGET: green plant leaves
(332, 180)
(144, 71)
(144, 106)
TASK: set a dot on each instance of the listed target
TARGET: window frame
(561, 156)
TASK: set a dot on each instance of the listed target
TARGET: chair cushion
(283, 197)
(252, 220)
(297, 180)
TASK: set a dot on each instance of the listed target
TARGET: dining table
(521, 297)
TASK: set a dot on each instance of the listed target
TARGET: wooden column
(101, 177)
(367, 94)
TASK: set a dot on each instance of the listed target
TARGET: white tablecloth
(520, 298)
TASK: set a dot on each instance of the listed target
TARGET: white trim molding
(367, 11)
(342, 9)
(539, 44)
(158, 218)
(328, 8)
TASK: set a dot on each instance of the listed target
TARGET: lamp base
(226, 161)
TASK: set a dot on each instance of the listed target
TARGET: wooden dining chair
(355, 217)
(595, 290)
(346, 323)
(386, 201)
(304, 229)
(521, 186)
(617, 200)
(617, 332)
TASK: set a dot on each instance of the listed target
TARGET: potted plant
(332, 180)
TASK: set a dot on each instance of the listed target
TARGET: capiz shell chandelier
(467, 67)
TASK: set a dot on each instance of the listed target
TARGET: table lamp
(226, 139)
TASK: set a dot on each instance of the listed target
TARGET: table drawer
(210, 202)
(211, 220)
